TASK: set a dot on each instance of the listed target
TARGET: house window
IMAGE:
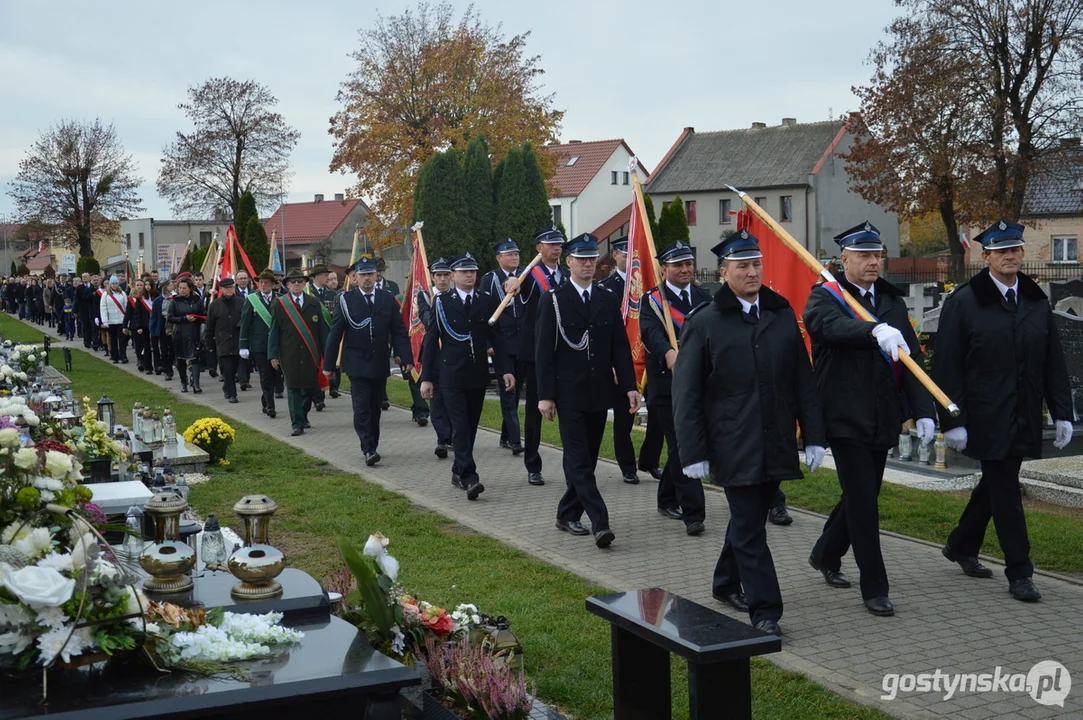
(140, 241)
(690, 211)
(785, 208)
(128, 241)
(613, 177)
(724, 217)
(761, 201)
(556, 215)
(625, 179)
(572, 160)
(1065, 249)
(205, 238)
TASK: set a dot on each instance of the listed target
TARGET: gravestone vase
(256, 564)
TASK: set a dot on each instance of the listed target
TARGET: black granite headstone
(1061, 289)
(1070, 330)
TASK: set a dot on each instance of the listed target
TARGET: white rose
(9, 437)
(31, 358)
(57, 464)
(375, 545)
(21, 375)
(25, 458)
(40, 587)
(35, 543)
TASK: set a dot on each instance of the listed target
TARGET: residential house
(162, 243)
(591, 190)
(305, 228)
(792, 170)
(1053, 209)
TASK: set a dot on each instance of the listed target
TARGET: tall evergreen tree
(498, 173)
(648, 204)
(419, 212)
(246, 209)
(538, 210)
(443, 202)
(478, 191)
(257, 245)
(672, 225)
(513, 201)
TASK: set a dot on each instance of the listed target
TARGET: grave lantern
(105, 413)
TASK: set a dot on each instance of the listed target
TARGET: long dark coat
(186, 335)
(254, 331)
(862, 400)
(459, 365)
(998, 366)
(740, 389)
(299, 369)
(365, 350)
(223, 331)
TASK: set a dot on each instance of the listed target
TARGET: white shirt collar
(745, 304)
(463, 294)
(579, 290)
(1004, 288)
(299, 298)
(623, 275)
(677, 291)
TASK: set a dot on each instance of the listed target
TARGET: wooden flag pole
(424, 264)
(666, 314)
(508, 297)
(858, 308)
(346, 288)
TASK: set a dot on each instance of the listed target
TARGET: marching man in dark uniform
(440, 273)
(328, 300)
(295, 346)
(456, 351)
(530, 288)
(679, 497)
(622, 421)
(256, 324)
(742, 382)
(866, 395)
(507, 258)
(580, 343)
(368, 324)
(998, 356)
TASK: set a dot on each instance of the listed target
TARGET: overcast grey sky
(631, 69)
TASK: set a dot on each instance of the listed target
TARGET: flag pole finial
(417, 226)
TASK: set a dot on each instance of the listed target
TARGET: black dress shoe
(213, 373)
(234, 400)
(271, 414)
(441, 451)
(970, 565)
(474, 489)
(834, 578)
(297, 431)
(770, 627)
(656, 473)
(672, 513)
(385, 405)
(334, 394)
(505, 444)
(535, 479)
(1024, 589)
(263, 410)
(517, 449)
(694, 528)
(421, 422)
(631, 479)
(779, 515)
(880, 606)
(279, 396)
(308, 425)
(604, 538)
(735, 600)
(456, 480)
(245, 386)
(372, 458)
(572, 527)
(320, 406)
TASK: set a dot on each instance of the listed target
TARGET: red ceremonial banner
(642, 276)
(783, 271)
(418, 283)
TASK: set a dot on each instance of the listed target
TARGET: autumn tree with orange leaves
(426, 82)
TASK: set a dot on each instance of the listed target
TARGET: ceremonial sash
(118, 304)
(260, 309)
(835, 290)
(146, 304)
(541, 278)
(298, 322)
(676, 315)
(323, 310)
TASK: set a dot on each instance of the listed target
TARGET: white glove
(814, 456)
(698, 471)
(244, 353)
(956, 438)
(926, 431)
(1064, 433)
(889, 339)
(97, 322)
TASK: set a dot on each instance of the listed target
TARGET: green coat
(327, 297)
(254, 331)
(390, 285)
(299, 368)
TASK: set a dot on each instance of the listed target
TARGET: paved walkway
(944, 619)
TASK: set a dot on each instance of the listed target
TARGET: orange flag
(418, 283)
(783, 271)
(642, 276)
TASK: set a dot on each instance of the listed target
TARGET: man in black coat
(440, 273)
(580, 343)
(622, 421)
(368, 324)
(457, 350)
(545, 276)
(742, 382)
(866, 396)
(222, 334)
(507, 258)
(679, 497)
(998, 356)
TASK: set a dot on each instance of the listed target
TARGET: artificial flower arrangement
(213, 436)
(452, 645)
(95, 442)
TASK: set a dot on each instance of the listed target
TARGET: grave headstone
(1070, 330)
(1071, 306)
(1063, 289)
(930, 321)
(921, 298)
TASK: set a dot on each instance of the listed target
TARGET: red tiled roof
(614, 223)
(303, 223)
(570, 181)
(39, 262)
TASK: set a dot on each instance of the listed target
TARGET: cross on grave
(919, 301)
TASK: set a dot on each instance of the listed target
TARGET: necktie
(1010, 297)
(586, 300)
(754, 313)
(297, 301)
(468, 297)
(368, 299)
(684, 298)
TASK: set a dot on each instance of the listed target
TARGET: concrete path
(945, 621)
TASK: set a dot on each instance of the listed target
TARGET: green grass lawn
(567, 649)
(1056, 540)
